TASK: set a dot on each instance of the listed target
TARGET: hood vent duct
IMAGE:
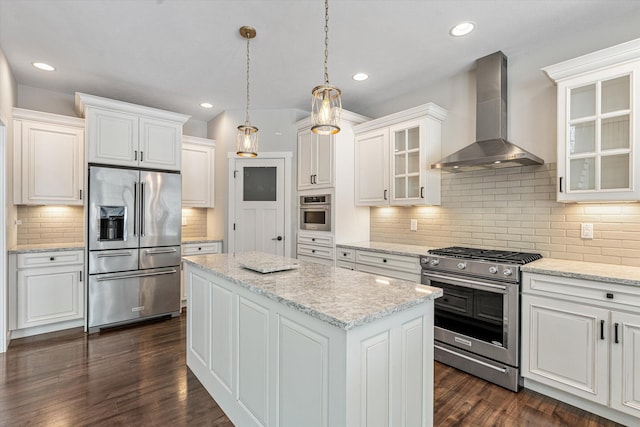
(492, 149)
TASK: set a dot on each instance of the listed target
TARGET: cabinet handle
(422, 192)
(315, 178)
(80, 194)
(135, 154)
(385, 194)
(609, 295)
(602, 329)
(80, 275)
(52, 259)
(310, 179)
(141, 155)
(560, 184)
(384, 260)
(615, 333)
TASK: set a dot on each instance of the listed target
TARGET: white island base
(268, 364)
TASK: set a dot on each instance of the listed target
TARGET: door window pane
(615, 133)
(583, 174)
(615, 172)
(259, 184)
(615, 94)
(582, 138)
(583, 101)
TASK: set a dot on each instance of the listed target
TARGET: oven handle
(453, 280)
(471, 359)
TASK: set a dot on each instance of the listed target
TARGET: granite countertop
(200, 240)
(46, 247)
(338, 296)
(388, 248)
(609, 273)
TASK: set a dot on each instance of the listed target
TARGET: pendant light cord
(248, 98)
(326, 41)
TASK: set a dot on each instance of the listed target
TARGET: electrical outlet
(586, 230)
(184, 220)
(414, 225)
(18, 221)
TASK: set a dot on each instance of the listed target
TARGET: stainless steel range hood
(492, 149)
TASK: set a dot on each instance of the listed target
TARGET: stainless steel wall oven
(315, 212)
(477, 320)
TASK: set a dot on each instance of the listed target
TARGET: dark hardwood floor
(137, 376)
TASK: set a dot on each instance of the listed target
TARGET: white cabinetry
(48, 158)
(198, 161)
(598, 118)
(393, 158)
(46, 292)
(325, 166)
(404, 267)
(203, 248)
(583, 338)
(123, 134)
(315, 160)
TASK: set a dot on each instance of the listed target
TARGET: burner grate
(487, 255)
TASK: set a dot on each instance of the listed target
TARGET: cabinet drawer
(346, 254)
(585, 290)
(388, 272)
(315, 239)
(395, 262)
(344, 264)
(316, 251)
(46, 259)
(201, 248)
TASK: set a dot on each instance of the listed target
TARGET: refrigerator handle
(141, 209)
(135, 275)
(135, 206)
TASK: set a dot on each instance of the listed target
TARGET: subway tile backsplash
(515, 209)
(50, 224)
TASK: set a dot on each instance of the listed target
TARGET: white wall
(277, 132)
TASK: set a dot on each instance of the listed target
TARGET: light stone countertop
(343, 298)
(194, 240)
(388, 248)
(609, 273)
(46, 247)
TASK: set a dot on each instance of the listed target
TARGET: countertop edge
(416, 253)
(36, 249)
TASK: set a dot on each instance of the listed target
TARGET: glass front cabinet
(598, 116)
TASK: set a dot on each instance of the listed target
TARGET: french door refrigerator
(134, 227)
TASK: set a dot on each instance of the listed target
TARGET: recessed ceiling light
(206, 105)
(462, 29)
(43, 66)
(360, 76)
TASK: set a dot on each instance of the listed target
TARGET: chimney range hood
(492, 149)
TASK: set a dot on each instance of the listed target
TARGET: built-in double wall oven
(315, 212)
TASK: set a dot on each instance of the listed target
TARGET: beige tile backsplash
(50, 224)
(196, 223)
(515, 209)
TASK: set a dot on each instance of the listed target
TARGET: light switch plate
(414, 225)
(586, 230)
(184, 220)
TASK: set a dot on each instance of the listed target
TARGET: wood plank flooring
(137, 376)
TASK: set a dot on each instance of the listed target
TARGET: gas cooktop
(510, 257)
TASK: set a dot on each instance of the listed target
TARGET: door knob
(277, 238)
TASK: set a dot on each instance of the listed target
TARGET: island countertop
(340, 297)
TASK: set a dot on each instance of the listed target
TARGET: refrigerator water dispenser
(111, 223)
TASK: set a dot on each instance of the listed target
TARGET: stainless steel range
(477, 320)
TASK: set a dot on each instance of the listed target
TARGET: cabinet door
(52, 164)
(372, 168)
(160, 144)
(112, 137)
(407, 163)
(565, 345)
(49, 295)
(597, 159)
(625, 363)
(305, 158)
(323, 162)
(197, 176)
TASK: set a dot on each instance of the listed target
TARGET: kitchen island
(314, 345)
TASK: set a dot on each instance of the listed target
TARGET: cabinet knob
(313, 251)
(199, 249)
(384, 260)
(52, 259)
(313, 239)
(609, 295)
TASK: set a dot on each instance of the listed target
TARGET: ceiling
(175, 54)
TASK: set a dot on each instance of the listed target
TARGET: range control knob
(462, 265)
(493, 269)
(507, 272)
(435, 262)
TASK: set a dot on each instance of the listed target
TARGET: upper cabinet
(315, 160)
(198, 158)
(123, 134)
(598, 115)
(393, 155)
(48, 158)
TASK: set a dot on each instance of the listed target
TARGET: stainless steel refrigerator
(134, 227)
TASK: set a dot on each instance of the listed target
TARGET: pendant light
(326, 104)
(247, 139)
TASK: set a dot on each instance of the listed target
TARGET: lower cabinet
(46, 292)
(583, 338)
(316, 247)
(195, 249)
(403, 267)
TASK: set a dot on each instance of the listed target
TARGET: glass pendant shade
(326, 106)
(247, 141)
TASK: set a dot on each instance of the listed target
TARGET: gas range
(486, 263)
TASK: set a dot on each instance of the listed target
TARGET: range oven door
(480, 317)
